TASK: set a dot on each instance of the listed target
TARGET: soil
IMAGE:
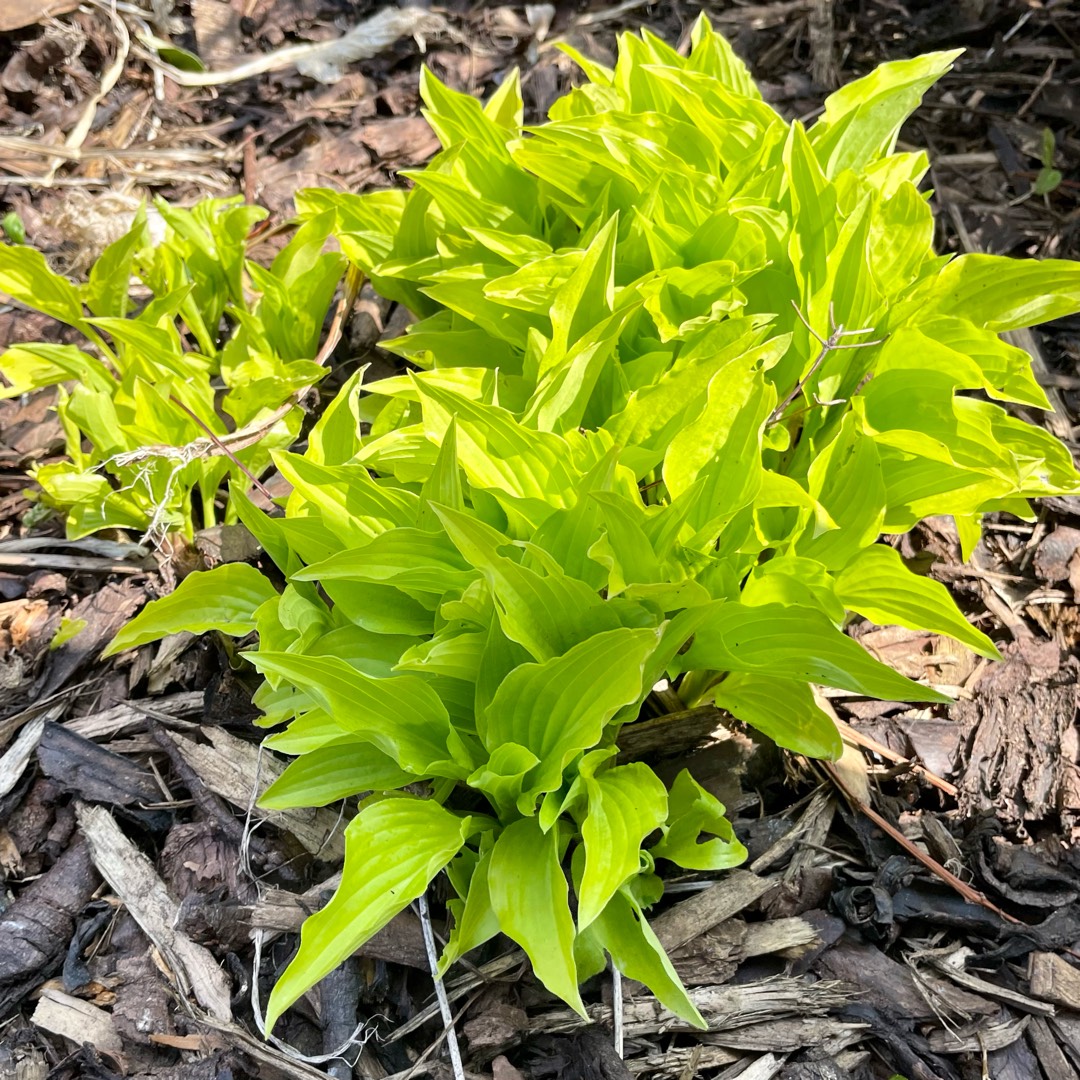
(913, 910)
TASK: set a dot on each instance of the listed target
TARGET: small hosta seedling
(677, 366)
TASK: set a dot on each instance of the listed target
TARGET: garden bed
(913, 908)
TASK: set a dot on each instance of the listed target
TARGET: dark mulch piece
(836, 953)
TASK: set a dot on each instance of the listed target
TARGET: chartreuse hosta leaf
(783, 710)
(29, 367)
(623, 805)
(404, 557)
(546, 613)
(334, 771)
(692, 811)
(25, 276)
(794, 642)
(619, 457)
(148, 381)
(862, 119)
(1002, 294)
(402, 716)
(224, 599)
(877, 584)
(475, 921)
(351, 505)
(529, 895)
(558, 708)
(335, 439)
(393, 848)
(623, 932)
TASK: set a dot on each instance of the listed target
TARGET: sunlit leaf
(998, 293)
(25, 276)
(393, 848)
(693, 811)
(625, 804)
(862, 120)
(878, 585)
(795, 643)
(402, 716)
(529, 896)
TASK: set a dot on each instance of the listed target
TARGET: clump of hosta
(183, 386)
(677, 366)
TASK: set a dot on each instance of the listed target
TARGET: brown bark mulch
(914, 911)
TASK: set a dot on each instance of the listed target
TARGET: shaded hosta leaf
(627, 550)
(547, 613)
(692, 811)
(675, 635)
(568, 535)
(393, 848)
(475, 921)
(404, 557)
(625, 804)
(783, 710)
(267, 531)
(530, 898)
(878, 585)
(402, 715)
(373, 654)
(558, 708)
(224, 599)
(791, 580)
(331, 772)
(381, 609)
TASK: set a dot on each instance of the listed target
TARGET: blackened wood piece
(36, 929)
(93, 773)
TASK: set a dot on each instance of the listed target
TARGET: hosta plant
(213, 345)
(678, 365)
